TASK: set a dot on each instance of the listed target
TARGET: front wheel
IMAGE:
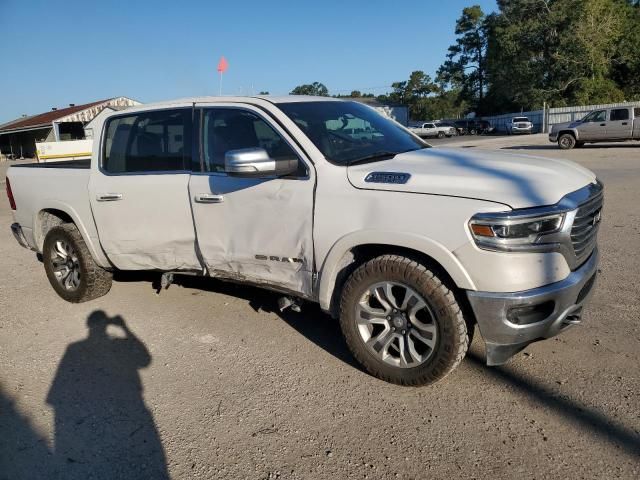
(71, 270)
(401, 323)
(566, 141)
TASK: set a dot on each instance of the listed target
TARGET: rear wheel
(566, 141)
(440, 134)
(71, 270)
(401, 323)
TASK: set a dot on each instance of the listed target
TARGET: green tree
(626, 61)
(556, 51)
(413, 92)
(316, 88)
(465, 67)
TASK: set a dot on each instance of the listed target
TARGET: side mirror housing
(255, 162)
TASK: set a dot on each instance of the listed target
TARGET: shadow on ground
(553, 146)
(324, 332)
(102, 427)
(312, 323)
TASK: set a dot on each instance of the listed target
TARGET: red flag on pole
(223, 65)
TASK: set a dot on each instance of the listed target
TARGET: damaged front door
(254, 229)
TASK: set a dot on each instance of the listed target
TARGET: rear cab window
(151, 141)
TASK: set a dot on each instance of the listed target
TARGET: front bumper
(16, 229)
(553, 137)
(560, 302)
(521, 129)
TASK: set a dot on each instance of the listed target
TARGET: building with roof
(18, 137)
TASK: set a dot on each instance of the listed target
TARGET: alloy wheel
(66, 266)
(397, 324)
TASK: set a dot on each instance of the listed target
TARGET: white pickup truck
(410, 246)
(429, 129)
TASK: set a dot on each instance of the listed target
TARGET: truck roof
(248, 99)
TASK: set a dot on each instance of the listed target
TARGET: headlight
(508, 232)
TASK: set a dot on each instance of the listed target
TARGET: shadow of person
(103, 428)
(23, 449)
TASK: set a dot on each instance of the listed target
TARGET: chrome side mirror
(255, 162)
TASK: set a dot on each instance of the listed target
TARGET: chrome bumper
(560, 305)
(16, 229)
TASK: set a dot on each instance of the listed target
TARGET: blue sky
(59, 52)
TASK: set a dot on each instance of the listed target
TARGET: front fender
(334, 262)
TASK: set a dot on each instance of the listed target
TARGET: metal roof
(74, 113)
(45, 119)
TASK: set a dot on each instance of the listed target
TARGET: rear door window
(155, 141)
(619, 114)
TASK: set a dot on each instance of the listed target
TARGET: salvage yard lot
(209, 381)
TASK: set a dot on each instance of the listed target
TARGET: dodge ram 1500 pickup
(409, 246)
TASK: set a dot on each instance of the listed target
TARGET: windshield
(348, 132)
(521, 119)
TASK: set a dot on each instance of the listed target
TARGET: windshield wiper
(374, 157)
(378, 156)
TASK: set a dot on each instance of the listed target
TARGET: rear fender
(88, 231)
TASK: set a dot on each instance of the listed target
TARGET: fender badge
(387, 177)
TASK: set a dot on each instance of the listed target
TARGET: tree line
(526, 54)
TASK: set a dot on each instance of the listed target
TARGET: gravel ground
(207, 380)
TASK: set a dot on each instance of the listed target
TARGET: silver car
(520, 125)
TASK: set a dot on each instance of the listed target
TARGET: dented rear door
(252, 229)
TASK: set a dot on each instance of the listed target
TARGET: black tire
(566, 141)
(440, 134)
(452, 338)
(93, 281)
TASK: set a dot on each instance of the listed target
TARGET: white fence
(543, 120)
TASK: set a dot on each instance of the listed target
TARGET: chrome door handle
(108, 197)
(208, 198)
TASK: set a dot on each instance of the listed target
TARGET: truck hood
(561, 126)
(518, 181)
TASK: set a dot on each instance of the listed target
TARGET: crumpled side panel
(150, 227)
(260, 233)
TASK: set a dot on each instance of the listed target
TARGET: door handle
(208, 198)
(603, 124)
(625, 123)
(108, 197)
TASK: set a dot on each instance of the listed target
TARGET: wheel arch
(574, 133)
(353, 250)
(57, 213)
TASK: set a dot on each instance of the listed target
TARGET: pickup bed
(605, 125)
(411, 247)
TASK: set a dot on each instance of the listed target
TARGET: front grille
(585, 227)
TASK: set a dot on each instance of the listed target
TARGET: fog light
(526, 315)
